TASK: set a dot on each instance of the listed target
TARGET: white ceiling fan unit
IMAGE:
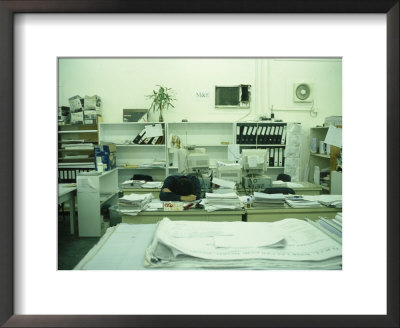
(303, 92)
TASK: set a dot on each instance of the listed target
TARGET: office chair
(284, 177)
(279, 190)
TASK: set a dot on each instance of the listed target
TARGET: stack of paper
(224, 186)
(284, 244)
(152, 184)
(329, 226)
(132, 183)
(300, 202)
(327, 200)
(134, 203)
(271, 200)
(154, 205)
(226, 201)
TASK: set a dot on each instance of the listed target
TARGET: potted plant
(162, 99)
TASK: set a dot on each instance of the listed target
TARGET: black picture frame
(11, 7)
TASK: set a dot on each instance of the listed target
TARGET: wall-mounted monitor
(234, 96)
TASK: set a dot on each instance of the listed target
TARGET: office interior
(123, 83)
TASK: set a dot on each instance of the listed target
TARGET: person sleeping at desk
(180, 188)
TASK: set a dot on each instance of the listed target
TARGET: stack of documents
(270, 200)
(225, 201)
(300, 202)
(332, 227)
(152, 184)
(284, 244)
(134, 203)
(78, 146)
(327, 200)
(133, 183)
(154, 205)
(224, 186)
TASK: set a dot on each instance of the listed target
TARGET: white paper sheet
(233, 153)
(334, 136)
(304, 241)
(153, 130)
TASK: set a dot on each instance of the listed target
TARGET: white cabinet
(93, 192)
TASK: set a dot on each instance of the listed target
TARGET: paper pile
(326, 200)
(134, 203)
(300, 202)
(224, 186)
(133, 183)
(284, 244)
(270, 200)
(225, 201)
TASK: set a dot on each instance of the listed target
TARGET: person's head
(185, 186)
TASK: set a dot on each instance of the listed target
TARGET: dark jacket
(171, 182)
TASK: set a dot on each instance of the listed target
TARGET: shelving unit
(69, 163)
(215, 137)
(326, 162)
(130, 157)
(94, 191)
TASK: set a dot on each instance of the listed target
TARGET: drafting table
(192, 214)
(123, 247)
(67, 192)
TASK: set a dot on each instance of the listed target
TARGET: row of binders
(261, 134)
(141, 139)
(275, 156)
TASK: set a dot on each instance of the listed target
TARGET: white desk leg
(72, 213)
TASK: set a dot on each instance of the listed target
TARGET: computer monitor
(254, 161)
(193, 160)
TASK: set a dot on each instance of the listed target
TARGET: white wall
(124, 82)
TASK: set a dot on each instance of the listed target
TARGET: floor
(71, 248)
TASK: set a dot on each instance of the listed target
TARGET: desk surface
(307, 188)
(65, 188)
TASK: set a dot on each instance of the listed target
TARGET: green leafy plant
(162, 99)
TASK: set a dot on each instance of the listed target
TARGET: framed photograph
(194, 29)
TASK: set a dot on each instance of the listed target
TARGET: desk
(307, 188)
(68, 193)
(269, 214)
(189, 215)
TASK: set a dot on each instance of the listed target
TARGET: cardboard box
(77, 118)
(75, 104)
(134, 115)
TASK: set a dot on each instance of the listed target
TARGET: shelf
(263, 145)
(77, 149)
(320, 155)
(106, 197)
(89, 165)
(136, 145)
(77, 131)
(141, 168)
